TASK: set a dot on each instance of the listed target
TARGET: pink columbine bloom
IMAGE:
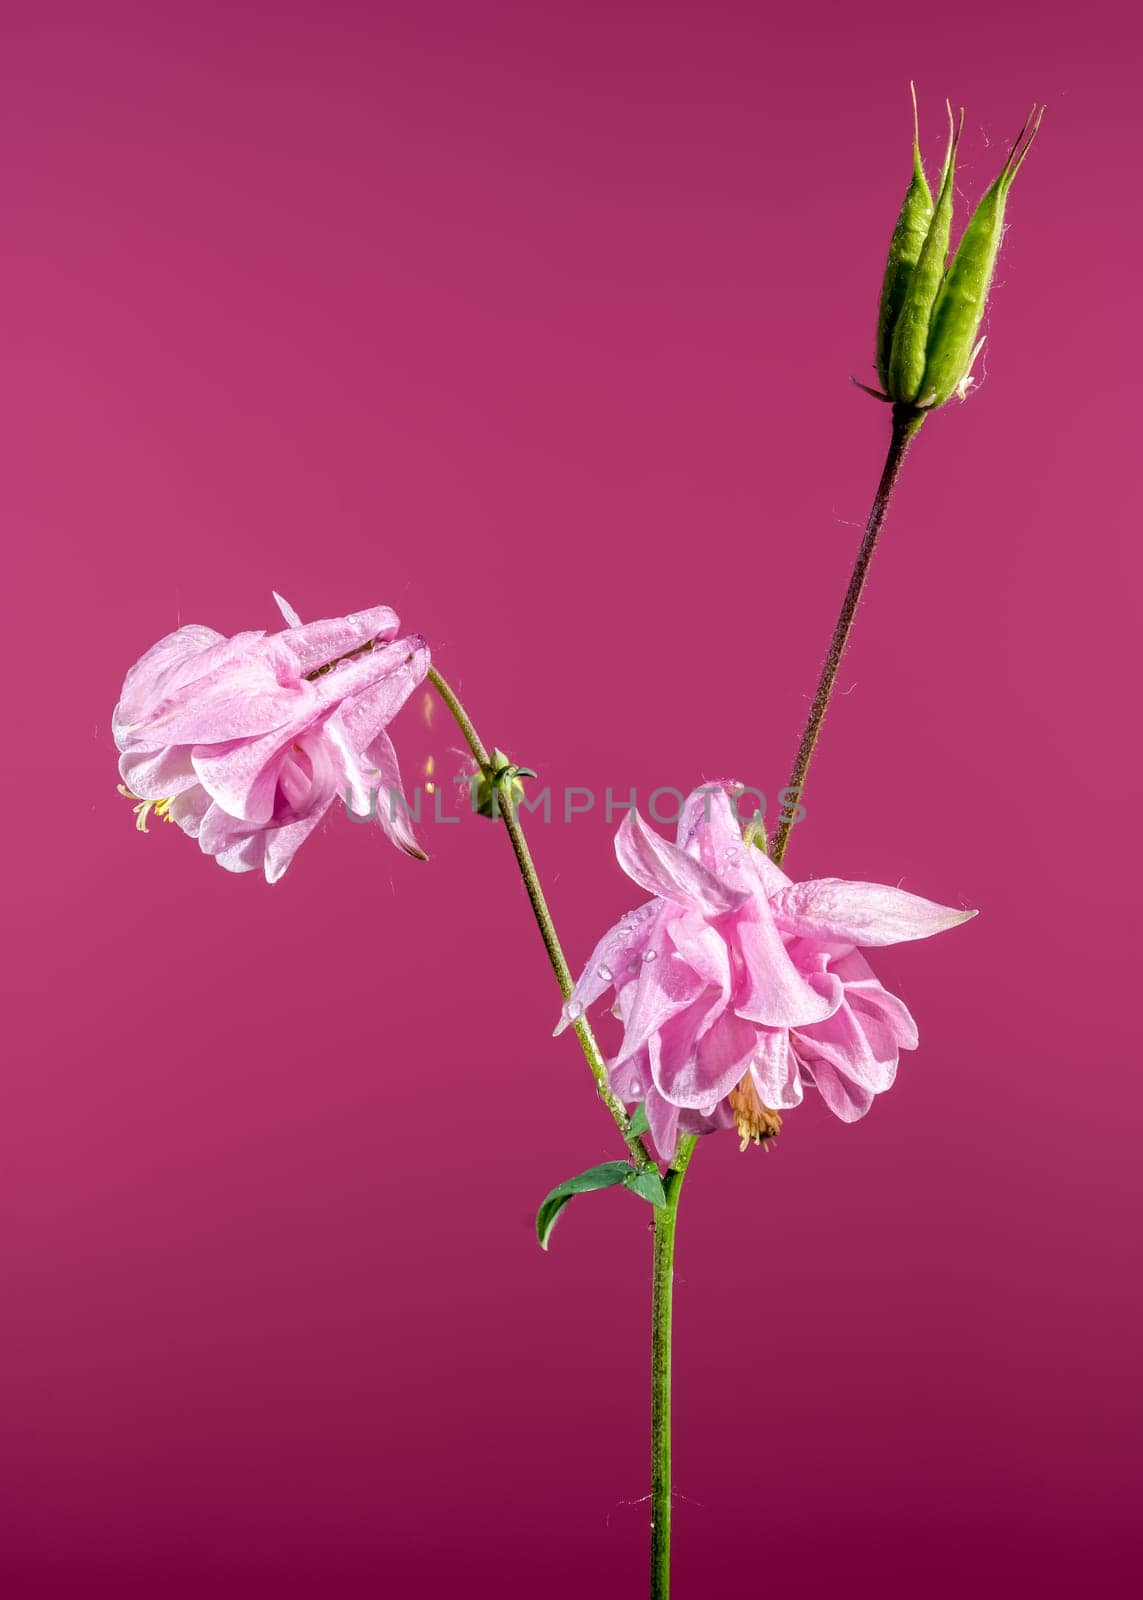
(737, 987)
(246, 742)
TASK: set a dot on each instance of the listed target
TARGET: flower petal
(860, 913)
(287, 610)
(663, 1121)
(157, 774)
(772, 989)
(316, 644)
(724, 1054)
(862, 1049)
(665, 986)
(720, 1118)
(610, 962)
(665, 870)
(702, 948)
(283, 843)
(866, 995)
(844, 1098)
(190, 664)
(774, 1070)
(234, 844)
(708, 825)
(688, 1068)
(392, 808)
(242, 774)
(189, 809)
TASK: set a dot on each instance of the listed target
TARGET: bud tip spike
(1025, 137)
(918, 165)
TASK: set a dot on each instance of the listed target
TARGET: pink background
(537, 323)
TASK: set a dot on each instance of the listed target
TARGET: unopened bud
(930, 312)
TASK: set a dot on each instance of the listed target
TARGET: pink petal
(702, 947)
(287, 610)
(243, 701)
(844, 1098)
(773, 991)
(687, 1068)
(234, 844)
(184, 662)
(860, 913)
(663, 1120)
(719, 1060)
(189, 809)
(708, 825)
(861, 1049)
(665, 870)
(610, 956)
(396, 671)
(774, 1070)
(393, 812)
(283, 843)
(722, 1117)
(242, 774)
(317, 644)
(865, 995)
(156, 774)
(665, 986)
(629, 1079)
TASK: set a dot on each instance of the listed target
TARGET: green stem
(506, 809)
(906, 421)
(661, 1309)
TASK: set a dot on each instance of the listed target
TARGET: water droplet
(649, 955)
(605, 974)
(636, 1090)
(574, 1010)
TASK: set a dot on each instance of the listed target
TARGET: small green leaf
(605, 1176)
(647, 1184)
(638, 1120)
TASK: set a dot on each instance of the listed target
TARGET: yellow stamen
(754, 1121)
(160, 808)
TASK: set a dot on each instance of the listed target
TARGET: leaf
(647, 1184)
(605, 1176)
(638, 1120)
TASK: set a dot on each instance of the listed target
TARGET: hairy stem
(906, 421)
(507, 810)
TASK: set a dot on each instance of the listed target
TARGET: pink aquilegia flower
(246, 742)
(737, 987)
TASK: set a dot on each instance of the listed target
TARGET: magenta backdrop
(537, 323)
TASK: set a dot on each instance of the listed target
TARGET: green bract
(930, 313)
(904, 251)
(911, 333)
(964, 290)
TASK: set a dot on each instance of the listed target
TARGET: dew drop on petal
(605, 974)
(649, 955)
(573, 1010)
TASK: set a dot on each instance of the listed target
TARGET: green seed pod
(952, 344)
(911, 334)
(904, 251)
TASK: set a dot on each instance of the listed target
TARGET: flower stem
(906, 421)
(506, 808)
(662, 1293)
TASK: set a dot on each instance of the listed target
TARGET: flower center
(754, 1121)
(161, 808)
